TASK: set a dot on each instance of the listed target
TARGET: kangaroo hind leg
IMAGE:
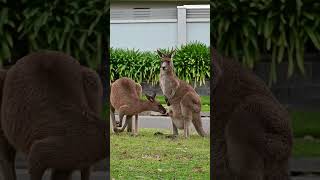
(187, 118)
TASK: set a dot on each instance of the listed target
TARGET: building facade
(148, 25)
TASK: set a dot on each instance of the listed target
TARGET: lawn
(205, 102)
(306, 123)
(155, 157)
(306, 148)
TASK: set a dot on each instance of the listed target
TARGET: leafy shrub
(75, 27)
(7, 24)
(140, 66)
(245, 29)
(191, 62)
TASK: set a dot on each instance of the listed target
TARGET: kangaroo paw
(118, 124)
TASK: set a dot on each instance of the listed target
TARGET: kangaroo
(50, 111)
(252, 135)
(184, 101)
(125, 98)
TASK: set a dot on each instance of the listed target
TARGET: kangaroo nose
(163, 65)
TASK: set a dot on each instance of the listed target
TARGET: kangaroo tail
(196, 120)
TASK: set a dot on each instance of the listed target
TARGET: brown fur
(252, 136)
(125, 98)
(185, 102)
(7, 152)
(50, 109)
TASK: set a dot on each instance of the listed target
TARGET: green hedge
(75, 27)
(247, 28)
(191, 62)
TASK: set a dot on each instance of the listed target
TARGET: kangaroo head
(166, 61)
(154, 104)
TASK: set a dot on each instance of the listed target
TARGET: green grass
(306, 123)
(155, 157)
(303, 122)
(306, 148)
(205, 102)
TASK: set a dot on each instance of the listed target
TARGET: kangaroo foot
(116, 130)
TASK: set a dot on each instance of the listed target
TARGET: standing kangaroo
(125, 98)
(184, 101)
(50, 111)
(252, 133)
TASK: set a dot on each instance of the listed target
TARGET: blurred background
(280, 42)
(79, 28)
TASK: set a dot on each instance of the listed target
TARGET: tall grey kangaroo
(252, 136)
(184, 101)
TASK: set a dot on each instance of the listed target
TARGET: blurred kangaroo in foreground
(125, 98)
(184, 101)
(50, 111)
(252, 136)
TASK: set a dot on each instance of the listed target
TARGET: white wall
(157, 27)
(143, 36)
(198, 31)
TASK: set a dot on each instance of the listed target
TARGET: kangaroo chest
(168, 86)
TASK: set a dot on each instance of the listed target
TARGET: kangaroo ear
(159, 53)
(172, 52)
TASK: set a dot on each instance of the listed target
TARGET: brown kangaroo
(125, 98)
(184, 101)
(252, 136)
(50, 111)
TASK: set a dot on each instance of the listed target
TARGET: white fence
(152, 28)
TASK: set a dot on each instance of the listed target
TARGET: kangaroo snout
(164, 65)
(163, 111)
